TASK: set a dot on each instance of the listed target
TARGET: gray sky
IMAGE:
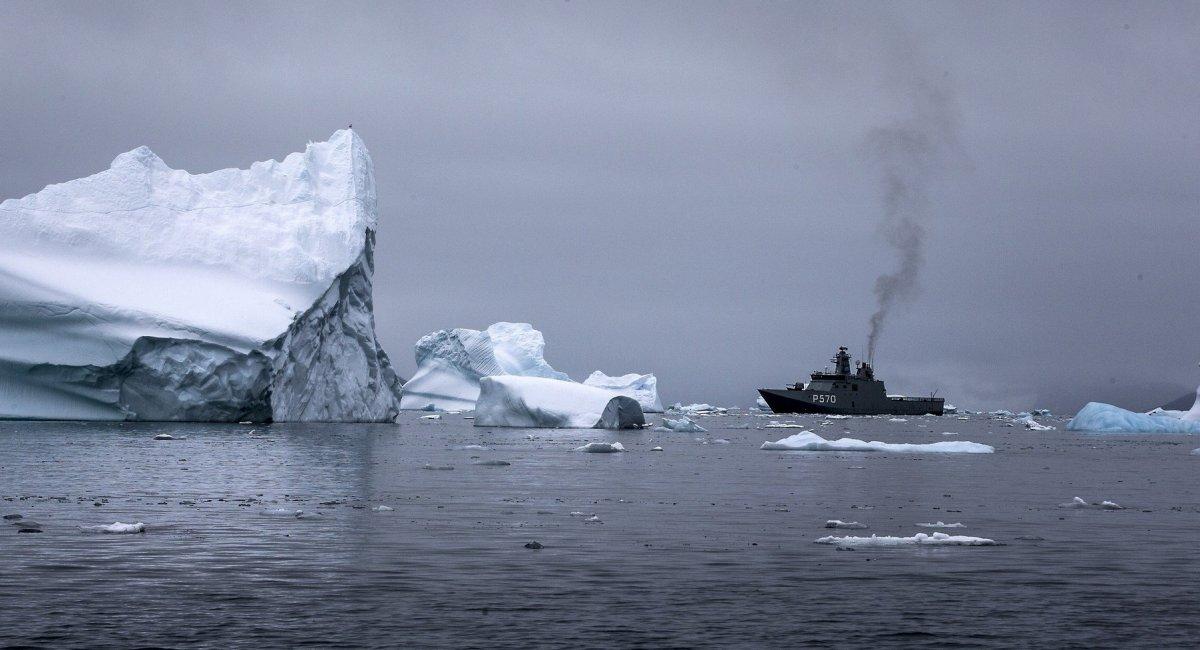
(685, 188)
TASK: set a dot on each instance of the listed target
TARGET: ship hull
(806, 401)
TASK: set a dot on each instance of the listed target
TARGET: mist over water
(908, 153)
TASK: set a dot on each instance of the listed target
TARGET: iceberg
(643, 388)
(1106, 418)
(809, 441)
(920, 539)
(682, 425)
(1033, 424)
(149, 293)
(515, 401)
(450, 364)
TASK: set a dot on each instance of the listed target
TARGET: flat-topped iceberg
(643, 388)
(514, 401)
(920, 539)
(809, 441)
(149, 293)
(1106, 418)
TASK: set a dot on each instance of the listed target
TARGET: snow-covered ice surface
(809, 441)
(148, 293)
(538, 402)
(1106, 418)
(728, 522)
(643, 388)
(920, 539)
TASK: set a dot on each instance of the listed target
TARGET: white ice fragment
(164, 436)
(601, 447)
(656, 449)
(435, 416)
(513, 401)
(949, 433)
(683, 425)
(1080, 504)
(594, 519)
(838, 523)
(283, 512)
(1096, 416)
(897, 420)
(809, 441)
(576, 513)
(382, 509)
(837, 417)
(942, 524)
(720, 441)
(785, 425)
(1032, 424)
(116, 528)
(920, 539)
(470, 448)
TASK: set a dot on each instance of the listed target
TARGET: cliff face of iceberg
(643, 388)
(148, 293)
(451, 363)
(514, 401)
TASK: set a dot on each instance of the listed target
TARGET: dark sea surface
(702, 544)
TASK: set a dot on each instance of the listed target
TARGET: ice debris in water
(762, 404)
(435, 416)
(1078, 504)
(942, 524)
(897, 420)
(1032, 424)
(283, 512)
(920, 539)
(809, 441)
(164, 436)
(116, 528)
(785, 425)
(470, 448)
(660, 449)
(576, 513)
(682, 425)
(601, 447)
(594, 519)
(383, 509)
(838, 523)
(512, 401)
(1106, 418)
(698, 409)
(720, 441)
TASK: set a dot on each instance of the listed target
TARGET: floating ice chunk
(897, 420)
(512, 401)
(785, 425)
(1032, 424)
(683, 425)
(471, 448)
(920, 539)
(643, 388)
(809, 441)
(116, 528)
(942, 524)
(660, 449)
(838, 523)
(949, 433)
(382, 509)
(1041, 413)
(435, 416)
(1196, 452)
(601, 447)
(837, 417)
(164, 436)
(699, 409)
(949, 409)
(720, 441)
(1079, 504)
(576, 513)
(1003, 413)
(1096, 416)
(283, 512)
(594, 519)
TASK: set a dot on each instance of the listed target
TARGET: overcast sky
(687, 188)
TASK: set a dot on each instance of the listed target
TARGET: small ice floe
(435, 416)
(963, 418)
(1033, 424)
(601, 447)
(576, 513)
(949, 433)
(660, 449)
(837, 417)
(942, 524)
(784, 425)
(1079, 504)
(920, 539)
(720, 441)
(594, 519)
(682, 425)
(809, 441)
(382, 509)
(443, 468)
(698, 409)
(492, 463)
(838, 523)
(470, 448)
(164, 436)
(1196, 451)
(116, 528)
(283, 512)
(1002, 413)
(897, 420)
(1041, 413)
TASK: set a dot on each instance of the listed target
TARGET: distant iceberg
(920, 539)
(1106, 418)
(643, 388)
(148, 293)
(809, 441)
(513, 401)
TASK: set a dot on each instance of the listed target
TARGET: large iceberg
(1097, 416)
(515, 401)
(149, 293)
(450, 364)
(643, 388)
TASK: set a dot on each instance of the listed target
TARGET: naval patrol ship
(844, 393)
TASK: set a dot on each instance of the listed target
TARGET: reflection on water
(700, 544)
